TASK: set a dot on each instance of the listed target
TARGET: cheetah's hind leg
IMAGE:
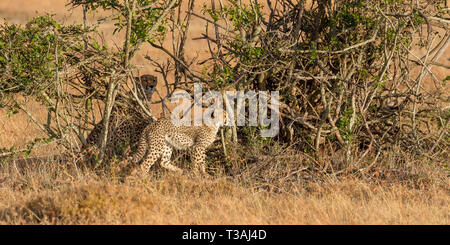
(165, 160)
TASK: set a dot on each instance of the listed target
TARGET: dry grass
(52, 192)
(20, 11)
(56, 193)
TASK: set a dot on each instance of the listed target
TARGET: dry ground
(56, 193)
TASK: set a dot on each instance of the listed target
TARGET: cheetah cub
(159, 138)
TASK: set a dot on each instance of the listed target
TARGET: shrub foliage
(347, 78)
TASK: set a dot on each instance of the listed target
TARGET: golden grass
(19, 130)
(58, 193)
(53, 193)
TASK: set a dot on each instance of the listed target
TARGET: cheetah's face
(147, 84)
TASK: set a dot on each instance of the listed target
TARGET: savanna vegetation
(364, 119)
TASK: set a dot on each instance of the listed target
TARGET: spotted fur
(160, 138)
(126, 124)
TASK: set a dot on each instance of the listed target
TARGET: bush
(343, 70)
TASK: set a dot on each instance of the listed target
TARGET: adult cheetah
(126, 123)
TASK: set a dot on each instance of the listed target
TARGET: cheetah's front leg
(198, 158)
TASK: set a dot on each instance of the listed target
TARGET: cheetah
(126, 124)
(159, 139)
